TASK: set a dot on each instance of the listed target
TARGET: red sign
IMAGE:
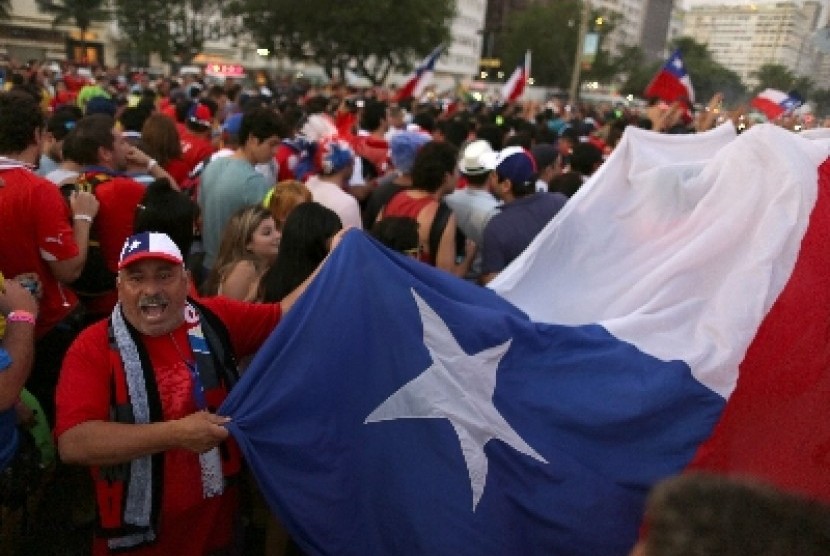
(224, 70)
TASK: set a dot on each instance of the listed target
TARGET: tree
(82, 13)
(144, 27)
(177, 31)
(776, 76)
(708, 76)
(193, 22)
(638, 72)
(550, 31)
(370, 38)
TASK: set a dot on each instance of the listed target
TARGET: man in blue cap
(524, 212)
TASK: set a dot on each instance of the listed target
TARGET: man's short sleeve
(83, 392)
(55, 238)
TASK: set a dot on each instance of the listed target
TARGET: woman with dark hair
(306, 240)
(160, 140)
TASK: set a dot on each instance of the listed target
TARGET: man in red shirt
(103, 153)
(196, 136)
(41, 235)
(136, 401)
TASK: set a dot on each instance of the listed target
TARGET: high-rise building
(642, 23)
(743, 36)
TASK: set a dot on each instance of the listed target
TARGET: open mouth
(153, 310)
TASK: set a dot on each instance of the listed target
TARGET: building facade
(743, 36)
(29, 35)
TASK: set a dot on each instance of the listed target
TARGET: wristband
(21, 316)
(151, 164)
(85, 217)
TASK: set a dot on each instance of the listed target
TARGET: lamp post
(573, 93)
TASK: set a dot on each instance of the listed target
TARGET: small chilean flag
(672, 82)
(515, 86)
(773, 103)
(421, 77)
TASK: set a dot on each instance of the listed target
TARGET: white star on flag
(457, 387)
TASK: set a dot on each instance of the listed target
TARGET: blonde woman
(284, 197)
(249, 247)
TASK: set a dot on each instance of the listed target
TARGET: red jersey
(190, 525)
(119, 197)
(36, 229)
(195, 149)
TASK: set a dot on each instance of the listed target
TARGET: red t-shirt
(286, 158)
(195, 149)
(35, 220)
(189, 524)
(119, 197)
(178, 169)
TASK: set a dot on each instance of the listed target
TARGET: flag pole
(527, 70)
(573, 94)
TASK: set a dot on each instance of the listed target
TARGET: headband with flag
(773, 103)
(420, 78)
(672, 82)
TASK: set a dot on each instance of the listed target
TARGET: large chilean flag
(675, 312)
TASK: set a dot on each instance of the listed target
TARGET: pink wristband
(21, 316)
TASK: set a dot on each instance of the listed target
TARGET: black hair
(261, 123)
(132, 119)
(20, 118)
(304, 244)
(585, 158)
(374, 112)
(91, 133)
(432, 162)
(63, 121)
(397, 232)
(163, 209)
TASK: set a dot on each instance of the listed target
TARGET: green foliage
(177, 31)
(820, 99)
(81, 13)
(550, 31)
(370, 37)
(637, 71)
(708, 76)
(776, 76)
(144, 26)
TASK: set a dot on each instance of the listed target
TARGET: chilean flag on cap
(149, 245)
(773, 103)
(672, 82)
(421, 77)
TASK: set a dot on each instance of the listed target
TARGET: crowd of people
(156, 231)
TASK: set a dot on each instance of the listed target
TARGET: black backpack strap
(377, 201)
(442, 216)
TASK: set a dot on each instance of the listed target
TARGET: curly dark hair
(433, 161)
(20, 118)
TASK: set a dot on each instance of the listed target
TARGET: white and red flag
(421, 77)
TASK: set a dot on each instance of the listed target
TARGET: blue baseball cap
(512, 163)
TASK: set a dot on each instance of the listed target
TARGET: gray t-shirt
(227, 184)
